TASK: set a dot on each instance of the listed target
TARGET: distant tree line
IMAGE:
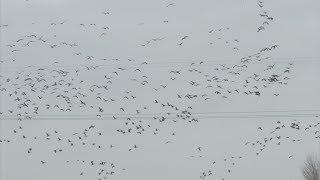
(311, 169)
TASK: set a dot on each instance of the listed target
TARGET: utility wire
(159, 114)
(150, 119)
(166, 64)
(212, 115)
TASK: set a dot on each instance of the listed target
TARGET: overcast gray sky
(144, 60)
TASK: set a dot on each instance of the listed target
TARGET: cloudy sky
(150, 52)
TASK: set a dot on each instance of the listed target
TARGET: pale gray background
(296, 29)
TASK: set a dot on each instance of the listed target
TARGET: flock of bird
(282, 132)
(265, 16)
(142, 96)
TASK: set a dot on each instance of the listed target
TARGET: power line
(166, 64)
(204, 115)
(193, 113)
(200, 117)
